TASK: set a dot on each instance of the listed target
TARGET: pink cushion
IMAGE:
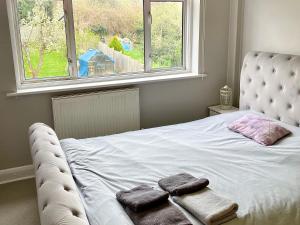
(261, 130)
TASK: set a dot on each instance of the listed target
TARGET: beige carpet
(18, 203)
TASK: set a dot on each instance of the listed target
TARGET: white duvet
(264, 181)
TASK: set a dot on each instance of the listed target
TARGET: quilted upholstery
(59, 202)
(270, 83)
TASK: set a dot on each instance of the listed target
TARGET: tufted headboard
(270, 83)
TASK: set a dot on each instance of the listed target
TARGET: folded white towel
(208, 207)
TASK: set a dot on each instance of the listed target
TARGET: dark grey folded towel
(164, 214)
(146, 206)
(141, 198)
(182, 184)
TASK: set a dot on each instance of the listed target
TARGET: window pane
(167, 34)
(109, 36)
(43, 38)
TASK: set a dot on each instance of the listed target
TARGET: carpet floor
(18, 203)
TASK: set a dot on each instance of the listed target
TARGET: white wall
(272, 25)
(161, 103)
(267, 25)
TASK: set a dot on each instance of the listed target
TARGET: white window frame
(192, 49)
(147, 32)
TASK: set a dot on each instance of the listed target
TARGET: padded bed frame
(270, 83)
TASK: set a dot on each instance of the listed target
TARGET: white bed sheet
(264, 181)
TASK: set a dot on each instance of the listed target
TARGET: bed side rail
(59, 202)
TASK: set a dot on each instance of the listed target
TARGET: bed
(77, 179)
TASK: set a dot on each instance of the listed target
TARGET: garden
(109, 27)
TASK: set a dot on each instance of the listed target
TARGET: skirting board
(16, 174)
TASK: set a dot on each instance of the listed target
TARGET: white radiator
(96, 114)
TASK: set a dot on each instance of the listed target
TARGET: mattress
(264, 181)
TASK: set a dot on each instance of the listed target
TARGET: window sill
(103, 84)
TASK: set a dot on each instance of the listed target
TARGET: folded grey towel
(141, 198)
(182, 183)
(208, 207)
(164, 214)
(146, 206)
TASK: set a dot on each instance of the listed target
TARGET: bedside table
(216, 110)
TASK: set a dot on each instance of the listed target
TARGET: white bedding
(264, 181)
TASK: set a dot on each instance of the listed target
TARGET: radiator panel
(96, 114)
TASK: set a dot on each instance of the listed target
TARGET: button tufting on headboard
(271, 81)
(292, 74)
(58, 199)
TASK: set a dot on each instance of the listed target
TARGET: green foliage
(116, 44)
(44, 42)
(25, 8)
(42, 33)
(85, 40)
(55, 64)
(100, 30)
(166, 35)
(137, 53)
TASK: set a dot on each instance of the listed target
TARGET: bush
(99, 30)
(116, 44)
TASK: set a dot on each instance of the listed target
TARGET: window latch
(150, 18)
